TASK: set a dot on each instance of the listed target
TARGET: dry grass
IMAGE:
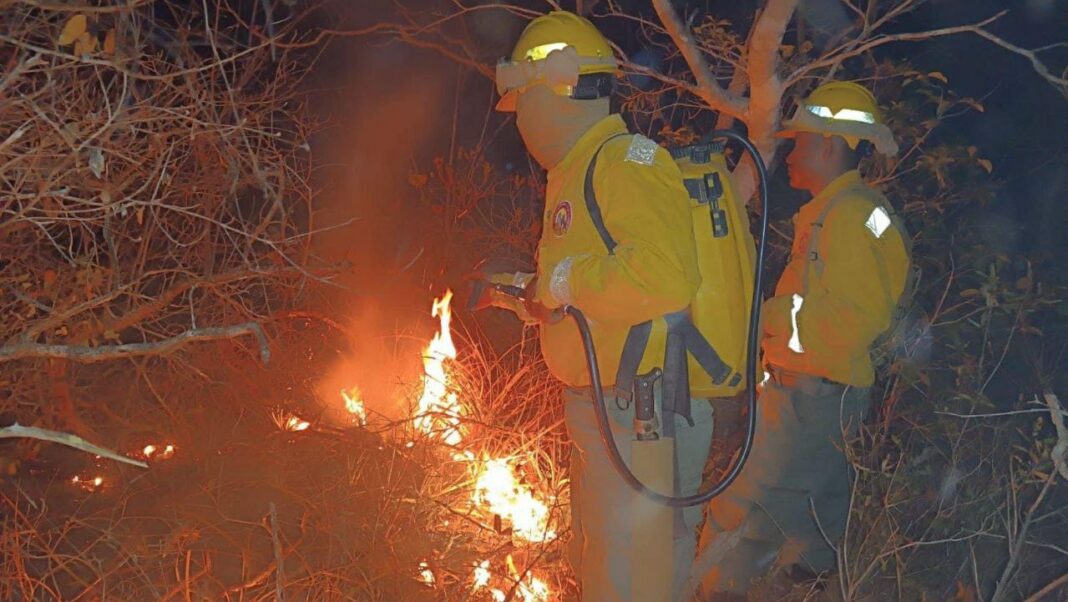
(358, 509)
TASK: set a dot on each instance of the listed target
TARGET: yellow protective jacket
(848, 268)
(653, 270)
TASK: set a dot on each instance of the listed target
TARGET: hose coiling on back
(752, 356)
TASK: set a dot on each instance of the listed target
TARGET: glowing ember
(158, 453)
(530, 590)
(497, 487)
(425, 574)
(354, 405)
(439, 409)
(482, 575)
(289, 422)
(88, 484)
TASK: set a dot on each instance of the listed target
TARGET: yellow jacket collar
(589, 141)
(837, 185)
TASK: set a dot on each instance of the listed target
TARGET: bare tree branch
(88, 355)
(843, 53)
(1059, 453)
(708, 89)
(766, 89)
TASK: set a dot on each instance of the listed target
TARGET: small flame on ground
(289, 422)
(354, 405)
(481, 576)
(531, 589)
(439, 409)
(88, 484)
(425, 574)
(157, 452)
(497, 487)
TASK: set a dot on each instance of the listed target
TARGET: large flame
(497, 490)
(496, 486)
(439, 408)
(354, 405)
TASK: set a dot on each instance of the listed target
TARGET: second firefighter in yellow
(841, 290)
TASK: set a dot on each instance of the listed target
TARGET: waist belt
(799, 380)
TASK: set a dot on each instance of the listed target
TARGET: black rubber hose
(752, 356)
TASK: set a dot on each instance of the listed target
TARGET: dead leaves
(85, 37)
(74, 29)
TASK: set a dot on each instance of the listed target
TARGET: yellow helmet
(844, 109)
(563, 51)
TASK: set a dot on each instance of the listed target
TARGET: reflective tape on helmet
(841, 115)
(878, 222)
(539, 53)
(795, 336)
(556, 65)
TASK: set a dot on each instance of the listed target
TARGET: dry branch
(88, 355)
(1059, 453)
(31, 432)
(708, 89)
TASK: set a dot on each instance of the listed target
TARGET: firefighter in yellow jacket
(558, 82)
(839, 292)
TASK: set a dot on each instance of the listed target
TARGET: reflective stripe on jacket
(848, 267)
(653, 270)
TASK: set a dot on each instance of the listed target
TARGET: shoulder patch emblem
(562, 218)
(642, 150)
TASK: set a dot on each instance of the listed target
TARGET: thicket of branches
(155, 173)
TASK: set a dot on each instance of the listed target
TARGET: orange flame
(289, 422)
(439, 409)
(531, 589)
(88, 484)
(497, 487)
(157, 452)
(354, 405)
(425, 574)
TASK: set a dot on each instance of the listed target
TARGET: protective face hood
(550, 125)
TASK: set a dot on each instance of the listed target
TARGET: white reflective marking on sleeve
(795, 338)
(878, 222)
(842, 114)
(767, 377)
(559, 285)
(642, 150)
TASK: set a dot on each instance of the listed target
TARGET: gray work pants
(765, 518)
(600, 524)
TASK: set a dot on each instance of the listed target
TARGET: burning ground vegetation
(258, 489)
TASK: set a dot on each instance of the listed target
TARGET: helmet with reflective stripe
(562, 51)
(843, 109)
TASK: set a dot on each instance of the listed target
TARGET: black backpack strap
(638, 336)
(591, 200)
(631, 359)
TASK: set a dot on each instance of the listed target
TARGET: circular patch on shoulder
(562, 218)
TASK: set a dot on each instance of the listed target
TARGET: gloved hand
(537, 310)
(523, 305)
(489, 296)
